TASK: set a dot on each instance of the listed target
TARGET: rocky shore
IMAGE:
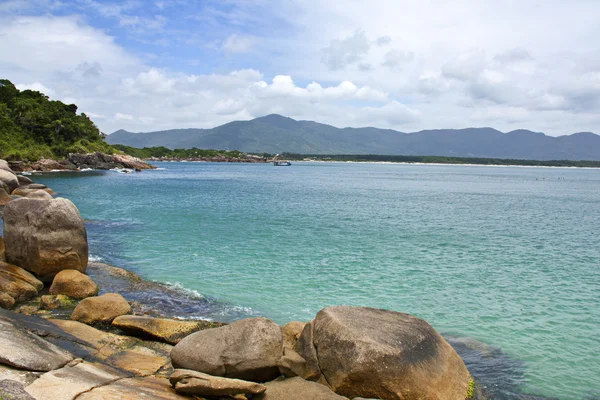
(75, 162)
(63, 337)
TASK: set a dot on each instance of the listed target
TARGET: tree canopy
(32, 126)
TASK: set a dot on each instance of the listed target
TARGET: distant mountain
(277, 134)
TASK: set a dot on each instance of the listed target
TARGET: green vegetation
(440, 160)
(32, 127)
(158, 152)
(470, 389)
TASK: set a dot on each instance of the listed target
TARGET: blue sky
(149, 65)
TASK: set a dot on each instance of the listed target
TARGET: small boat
(280, 163)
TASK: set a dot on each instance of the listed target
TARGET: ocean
(503, 261)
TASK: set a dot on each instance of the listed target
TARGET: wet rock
(23, 180)
(196, 383)
(101, 309)
(13, 390)
(366, 352)
(72, 380)
(291, 332)
(166, 330)
(292, 388)
(6, 301)
(9, 179)
(248, 349)
(74, 284)
(135, 389)
(53, 302)
(19, 273)
(45, 236)
(22, 349)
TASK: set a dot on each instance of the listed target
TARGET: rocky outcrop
(295, 388)
(376, 353)
(163, 329)
(74, 284)
(101, 309)
(9, 179)
(196, 383)
(248, 349)
(47, 165)
(22, 349)
(45, 236)
(107, 161)
(12, 390)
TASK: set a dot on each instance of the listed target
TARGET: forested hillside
(32, 127)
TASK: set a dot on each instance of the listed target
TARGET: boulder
(6, 301)
(22, 349)
(101, 309)
(4, 197)
(248, 349)
(7, 269)
(134, 389)
(166, 330)
(297, 387)
(5, 166)
(291, 332)
(16, 288)
(45, 236)
(23, 180)
(196, 383)
(27, 190)
(72, 380)
(38, 194)
(12, 390)
(9, 179)
(367, 352)
(52, 302)
(74, 284)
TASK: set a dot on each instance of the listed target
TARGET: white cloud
(37, 86)
(237, 44)
(125, 117)
(342, 53)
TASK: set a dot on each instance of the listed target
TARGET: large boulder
(16, 288)
(38, 194)
(14, 271)
(74, 284)
(45, 236)
(367, 352)
(166, 330)
(101, 309)
(296, 388)
(9, 179)
(248, 349)
(23, 180)
(196, 383)
(22, 349)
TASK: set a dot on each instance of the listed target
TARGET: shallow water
(506, 256)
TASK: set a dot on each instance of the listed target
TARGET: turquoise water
(507, 256)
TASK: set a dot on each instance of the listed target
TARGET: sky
(405, 65)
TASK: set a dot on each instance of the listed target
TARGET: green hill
(32, 127)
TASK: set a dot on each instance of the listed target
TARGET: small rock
(167, 330)
(248, 349)
(196, 383)
(74, 284)
(12, 390)
(6, 301)
(52, 302)
(295, 388)
(101, 309)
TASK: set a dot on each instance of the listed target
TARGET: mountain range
(277, 134)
